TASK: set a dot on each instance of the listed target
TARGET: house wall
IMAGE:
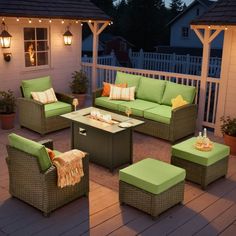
(63, 59)
(176, 39)
(227, 98)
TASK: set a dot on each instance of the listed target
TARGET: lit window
(36, 47)
(185, 32)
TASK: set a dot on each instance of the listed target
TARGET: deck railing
(108, 74)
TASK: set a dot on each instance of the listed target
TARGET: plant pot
(7, 121)
(231, 142)
(81, 98)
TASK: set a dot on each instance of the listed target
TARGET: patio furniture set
(149, 185)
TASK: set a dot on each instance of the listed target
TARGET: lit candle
(75, 103)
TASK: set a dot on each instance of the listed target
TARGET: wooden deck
(211, 212)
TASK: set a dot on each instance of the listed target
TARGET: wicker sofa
(153, 105)
(33, 179)
(43, 118)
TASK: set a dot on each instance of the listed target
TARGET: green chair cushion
(172, 90)
(57, 108)
(152, 175)
(186, 151)
(160, 113)
(130, 79)
(107, 103)
(151, 89)
(36, 149)
(138, 106)
(35, 85)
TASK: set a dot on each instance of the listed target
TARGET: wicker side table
(201, 167)
(151, 186)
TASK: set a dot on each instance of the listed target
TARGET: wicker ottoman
(201, 167)
(152, 186)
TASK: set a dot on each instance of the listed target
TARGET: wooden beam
(199, 34)
(204, 75)
(102, 28)
(214, 35)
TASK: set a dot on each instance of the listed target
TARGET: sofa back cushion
(151, 89)
(172, 90)
(129, 79)
(35, 85)
(31, 147)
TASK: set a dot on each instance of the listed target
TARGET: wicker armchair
(38, 120)
(40, 190)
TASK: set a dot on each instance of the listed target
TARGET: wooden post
(80, 45)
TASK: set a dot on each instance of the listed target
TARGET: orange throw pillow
(51, 153)
(107, 88)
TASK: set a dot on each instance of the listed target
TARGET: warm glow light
(90, 21)
(209, 26)
(5, 37)
(226, 28)
(67, 36)
(81, 24)
(30, 21)
(77, 22)
(40, 20)
(17, 19)
(62, 21)
(50, 21)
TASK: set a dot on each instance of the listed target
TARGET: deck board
(209, 212)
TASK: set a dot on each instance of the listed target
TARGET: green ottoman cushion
(36, 149)
(152, 175)
(186, 150)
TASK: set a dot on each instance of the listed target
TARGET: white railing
(185, 64)
(110, 60)
(108, 74)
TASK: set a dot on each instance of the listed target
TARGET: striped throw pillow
(106, 88)
(117, 93)
(47, 96)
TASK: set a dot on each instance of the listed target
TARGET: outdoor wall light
(67, 36)
(5, 37)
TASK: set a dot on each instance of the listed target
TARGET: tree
(176, 6)
(106, 5)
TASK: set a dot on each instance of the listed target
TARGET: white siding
(176, 39)
(64, 59)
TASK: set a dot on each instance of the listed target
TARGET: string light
(62, 21)
(226, 27)
(50, 21)
(76, 21)
(40, 20)
(90, 21)
(30, 21)
(209, 26)
(17, 19)
(81, 24)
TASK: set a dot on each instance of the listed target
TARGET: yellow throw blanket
(69, 167)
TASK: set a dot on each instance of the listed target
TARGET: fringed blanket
(69, 167)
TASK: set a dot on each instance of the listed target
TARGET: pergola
(220, 17)
(79, 11)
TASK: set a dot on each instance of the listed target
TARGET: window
(197, 12)
(36, 47)
(185, 32)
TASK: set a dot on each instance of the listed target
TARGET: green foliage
(79, 84)
(228, 126)
(7, 102)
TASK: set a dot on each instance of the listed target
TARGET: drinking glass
(128, 111)
(75, 103)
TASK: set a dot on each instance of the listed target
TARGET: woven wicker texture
(37, 121)
(199, 174)
(182, 123)
(153, 204)
(40, 189)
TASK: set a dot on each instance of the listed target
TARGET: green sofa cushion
(160, 113)
(186, 151)
(172, 90)
(138, 106)
(35, 85)
(130, 79)
(151, 89)
(31, 147)
(57, 108)
(152, 175)
(107, 103)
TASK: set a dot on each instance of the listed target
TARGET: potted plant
(79, 86)
(7, 109)
(228, 129)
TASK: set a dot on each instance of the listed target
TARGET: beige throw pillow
(117, 93)
(47, 96)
